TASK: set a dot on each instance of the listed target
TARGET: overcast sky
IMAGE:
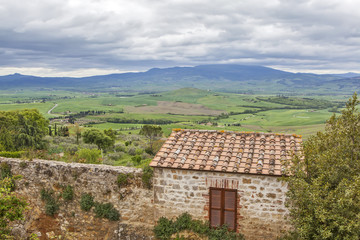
(90, 37)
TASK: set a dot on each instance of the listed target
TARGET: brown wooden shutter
(215, 207)
(230, 209)
(223, 207)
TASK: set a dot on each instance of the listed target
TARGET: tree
(77, 132)
(151, 132)
(111, 133)
(11, 207)
(97, 137)
(324, 183)
(22, 129)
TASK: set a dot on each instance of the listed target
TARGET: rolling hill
(220, 77)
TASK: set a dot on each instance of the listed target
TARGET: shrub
(86, 202)
(136, 159)
(6, 154)
(165, 228)
(132, 151)
(139, 151)
(68, 193)
(120, 147)
(5, 170)
(147, 176)
(89, 155)
(51, 205)
(115, 156)
(106, 210)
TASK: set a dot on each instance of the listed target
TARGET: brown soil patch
(165, 107)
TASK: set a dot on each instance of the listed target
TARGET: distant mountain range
(220, 77)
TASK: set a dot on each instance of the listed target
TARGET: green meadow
(183, 108)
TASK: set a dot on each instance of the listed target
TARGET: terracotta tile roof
(225, 151)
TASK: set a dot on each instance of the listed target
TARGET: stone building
(226, 178)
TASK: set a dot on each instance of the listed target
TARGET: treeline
(139, 121)
(22, 129)
(73, 116)
(301, 102)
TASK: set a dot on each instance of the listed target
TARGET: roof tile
(211, 150)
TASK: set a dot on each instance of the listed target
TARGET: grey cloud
(140, 34)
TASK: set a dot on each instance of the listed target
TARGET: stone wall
(134, 202)
(261, 207)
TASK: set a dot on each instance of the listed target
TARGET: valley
(181, 108)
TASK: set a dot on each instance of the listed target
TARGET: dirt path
(49, 112)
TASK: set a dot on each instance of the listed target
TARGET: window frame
(222, 206)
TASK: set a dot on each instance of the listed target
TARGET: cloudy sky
(88, 37)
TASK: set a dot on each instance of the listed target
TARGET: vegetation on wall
(86, 202)
(68, 193)
(169, 229)
(51, 204)
(147, 176)
(11, 207)
(123, 179)
(324, 184)
(106, 210)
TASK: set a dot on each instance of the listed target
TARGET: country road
(49, 112)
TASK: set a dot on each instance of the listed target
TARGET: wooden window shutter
(223, 207)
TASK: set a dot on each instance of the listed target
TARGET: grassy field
(183, 108)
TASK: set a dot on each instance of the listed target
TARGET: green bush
(89, 155)
(147, 176)
(136, 159)
(68, 193)
(86, 202)
(6, 154)
(106, 210)
(51, 205)
(5, 170)
(165, 228)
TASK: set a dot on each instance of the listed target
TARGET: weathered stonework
(134, 202)
(261, 199)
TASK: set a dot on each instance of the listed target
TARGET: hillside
(225, 78)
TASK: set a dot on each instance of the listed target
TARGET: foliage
(22, 129)
(11, 207)
(5, 170)
(68, 193)
(106, 210)
(165, 228)
(151, 132)
(147, 176)
(89, 155)
(111, 133)
(324, 184)
(97, 137)
(86, 202)
(123, 179)
(136, 159)
(299, 102)
(16, 154)
(51, 204)
(132, 151)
